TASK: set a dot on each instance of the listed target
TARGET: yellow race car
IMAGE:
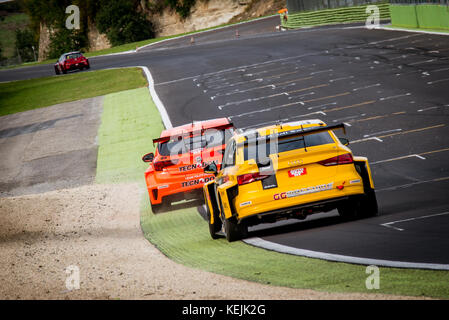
(284, 171)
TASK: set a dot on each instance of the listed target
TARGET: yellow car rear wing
(296, 132)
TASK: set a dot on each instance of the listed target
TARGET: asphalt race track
(391, 88)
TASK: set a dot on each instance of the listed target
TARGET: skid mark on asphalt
(32, 128)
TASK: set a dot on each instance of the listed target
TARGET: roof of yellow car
(281, 127)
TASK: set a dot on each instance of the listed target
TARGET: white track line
(261, 243)
(399, 158)
(157, 101)
(414, 31)
(390, 224)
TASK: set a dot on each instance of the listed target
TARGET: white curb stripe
(414, 31)
(258, 242)
(157, 101)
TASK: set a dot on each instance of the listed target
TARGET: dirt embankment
(97, 229)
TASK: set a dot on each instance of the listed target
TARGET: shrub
(122, 23)
(24, 45)
(64, 40)
(182, 7)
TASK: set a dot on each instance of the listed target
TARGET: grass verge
(128, 125)
(18, 96)
(184, 237)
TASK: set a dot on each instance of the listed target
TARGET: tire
(369, 207)
(364, 206)
(350, 209)
(215, 227)
(64, 71)
(157, 208)
(57, 71)
(88, 66)
(234, 231)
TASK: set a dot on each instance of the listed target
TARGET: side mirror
(149, 157)
(344, 141)
(211, 168)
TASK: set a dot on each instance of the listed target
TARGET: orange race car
(175, 170)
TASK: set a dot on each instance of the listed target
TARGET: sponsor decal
(198, 159)
(303, 191)
(354, 181)
(196, 182)
(192, 167)
(163, 186)
(297, 172)
(244, 204)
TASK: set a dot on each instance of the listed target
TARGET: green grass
(8, 34)
(129, 122)
(184, 237)
(18, 96)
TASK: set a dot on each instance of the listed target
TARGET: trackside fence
(333, 16)
(420, 14)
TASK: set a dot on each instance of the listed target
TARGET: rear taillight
(250, 177)
(343, 159)
(159, 165)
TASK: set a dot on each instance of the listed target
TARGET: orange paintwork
(186, 175)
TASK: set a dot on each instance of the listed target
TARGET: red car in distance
(71, 61)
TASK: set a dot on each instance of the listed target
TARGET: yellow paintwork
(252, 199)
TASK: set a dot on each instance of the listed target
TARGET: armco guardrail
(331, 16)
(426, 16)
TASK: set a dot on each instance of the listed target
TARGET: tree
(65, 40)
(24, 45)
(122, 23)
(2, 58)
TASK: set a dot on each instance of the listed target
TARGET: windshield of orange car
(178, 145)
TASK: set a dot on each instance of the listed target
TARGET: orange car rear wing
(291, 133)
(192, 133)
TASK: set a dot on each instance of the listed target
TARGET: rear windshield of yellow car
(254, 151)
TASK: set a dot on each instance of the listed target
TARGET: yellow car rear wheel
(215, 227)
(234, 231)
(359, 207)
